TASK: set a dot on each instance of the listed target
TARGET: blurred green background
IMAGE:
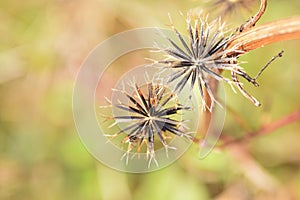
(42, 45)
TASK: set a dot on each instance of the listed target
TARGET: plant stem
(267, 128)
(251, 39)
(276, 31)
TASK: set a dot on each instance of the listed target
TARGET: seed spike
(206, 54)
(269, 62)
(152, 114)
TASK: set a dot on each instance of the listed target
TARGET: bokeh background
(42, 45)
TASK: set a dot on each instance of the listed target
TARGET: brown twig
(250, 38)
(207, 114)
(288, 119)
(268, 128)
(276, 31)
(253, 20)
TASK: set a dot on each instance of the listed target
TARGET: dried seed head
(228, 7)
(199, 56)
(202, 56)
(152, 113)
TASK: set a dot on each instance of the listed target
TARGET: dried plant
(199, 57)
(202, 57)
(227, 7)
(250, 37)
(199, 60)
(150, 113)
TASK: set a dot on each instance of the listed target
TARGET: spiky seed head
(152, 113)
(228, 7)
(199, 56)
(202, 55)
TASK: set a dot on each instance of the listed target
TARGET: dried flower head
(227, 7)
(202, 56)
(151, 113)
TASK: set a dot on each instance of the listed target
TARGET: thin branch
(250, 38)
(286, 120)
(268, 128)
(270, 61)
(253, 20)
(207, 114)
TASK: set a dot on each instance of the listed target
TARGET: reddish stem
(267, 128)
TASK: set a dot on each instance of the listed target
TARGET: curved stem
(256, 37)
(250, 39)
(252, 21)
